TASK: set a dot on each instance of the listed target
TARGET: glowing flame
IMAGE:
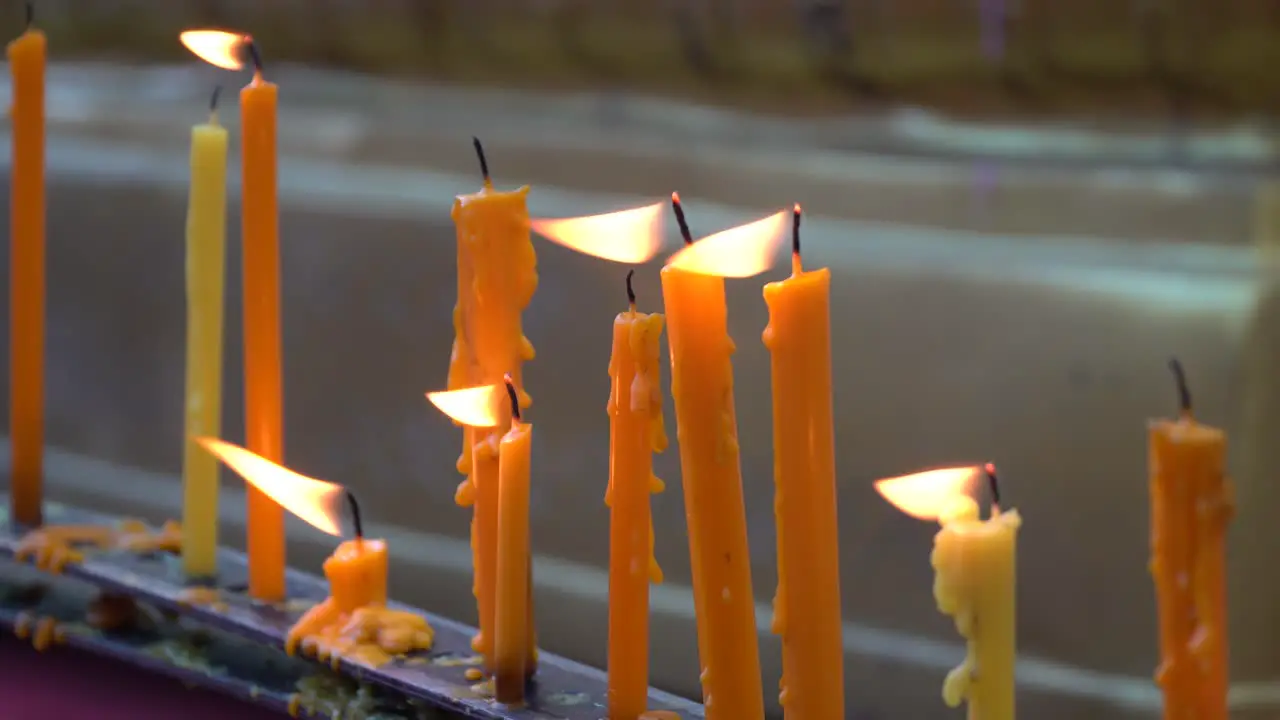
(216, 47)
(738, 252)
(317, 502)
(927, 495)
(477, 407)
(627, 236)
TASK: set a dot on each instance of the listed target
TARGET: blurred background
(1027, 207)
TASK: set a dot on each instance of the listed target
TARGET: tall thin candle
(27, 276)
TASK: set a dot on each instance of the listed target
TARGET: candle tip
(355, 515)
(993, 483)
(213, 99)
(631, 294)
(484, 163)
(795, 229)
(678, 209)
(1180, 381)
(513, 395)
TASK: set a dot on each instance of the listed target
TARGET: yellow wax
(497, 276)
(707, 429)
(1191, 504)
(975, 564)
(206, 258)
(807, 607)
(636, 431)
(264, 402)
(26, 278)
(513, 621)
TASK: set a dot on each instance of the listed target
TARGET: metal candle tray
(242, 641)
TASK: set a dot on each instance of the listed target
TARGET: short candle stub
(993, 484)
(1180, 380)
(213, 99)
(484, 163)
(356, 522)
(680, 220)
(795, 230)
(631, 294)
(513, 395)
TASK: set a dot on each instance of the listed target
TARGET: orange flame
(477, 407)
(317, 502)
(216, 47)
(738, 252)
(627, 236)
(927, 495)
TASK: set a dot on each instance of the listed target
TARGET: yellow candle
(26, 276)
(636, 431)
(513, 621)
(1191, 505)
(975, 565)
(497, 276)
(206, 258)
(702, 386)
(264, 413)
(806, 610)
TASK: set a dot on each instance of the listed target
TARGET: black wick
(993, 483)
(355, 515)
(484, 164)
(31, 14)
(684, 224)
(1180, 379)
(513, 395)
(254, 54)
(213, 100)
(631, 294)
(795, 230)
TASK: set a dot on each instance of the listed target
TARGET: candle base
(373, 635)
(217, 636)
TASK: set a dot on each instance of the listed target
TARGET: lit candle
(1192, 502)
(497, 276)
(259, 230)
(974, 561)
(806, 610)
(513, 612)
(702, 386)
(206, 258)
(354, 622)
(26, 276)
(636, 431)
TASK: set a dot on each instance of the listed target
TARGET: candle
(806, 609)
(1192, 502)
(974, 561)
(26, 276)
(206, 240)
(354, 622)
(636, 431)
(497, 276)
(702, 386)
(513, 612)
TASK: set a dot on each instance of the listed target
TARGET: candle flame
(477, 407)
(738, 252)
(627, 236)
(927, 495)
(317, 502)
(216, 47)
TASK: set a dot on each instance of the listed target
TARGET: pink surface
(67, 684)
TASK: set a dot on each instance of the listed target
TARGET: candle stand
(136, 607)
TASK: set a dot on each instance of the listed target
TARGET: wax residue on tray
(201, 596)
(52, 547)
(43, 632)
(371, 636)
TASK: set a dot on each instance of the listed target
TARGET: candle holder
(136, 607)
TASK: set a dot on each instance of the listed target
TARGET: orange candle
(262, 373)
(1191, 505)
(513, 616)
(806, 610)
(26, 277)
(497, 276)
(636, 431)
(702, 386)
